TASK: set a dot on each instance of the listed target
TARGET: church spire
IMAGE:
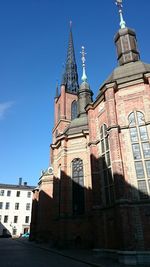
(70, 76)
(125, 41)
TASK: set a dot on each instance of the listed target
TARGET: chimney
(25, 183)
(20, 181)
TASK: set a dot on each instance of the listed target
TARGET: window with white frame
(28, 194)
(27, 219)
(2, 192)
(28, 206)
(16, 206)
(5, 218)
(8, 193)
(141, 152)
(7, 205)
(15, 219)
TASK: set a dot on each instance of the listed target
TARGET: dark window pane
(101, 133)
(102, 146)
(149, 184)
(146, 150)
(106, 143)
(8, 193)
(139, 169)
(136, 151)
(132, 119)
(142, 189)
(140, 117)
(5, 218)
(105, 130)
(75, 174)
(108, 159)
(107, 195)
(111, 190)
(105, 178)
(110, 178)
(81, 173)
(147, 162)
(143, 133)
(133, 135)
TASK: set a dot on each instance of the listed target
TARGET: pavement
(85, 256)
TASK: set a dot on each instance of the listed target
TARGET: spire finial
(70, 22)
(84, 77)
(122, 22)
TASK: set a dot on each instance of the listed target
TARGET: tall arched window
(58, 112)
(77, 187)
(106, 165)
(141, 152)
(74, 110)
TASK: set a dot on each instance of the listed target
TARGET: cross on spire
(84, 77)
(120, 6)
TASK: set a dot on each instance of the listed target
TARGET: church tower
(66, 99)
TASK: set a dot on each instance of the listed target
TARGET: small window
(7, 205)
(15, 219)
(18, 194)
(14, 232)
(29, 194)
(1, 205)
(28, 206)
(27, 219)
(5, 218)
(16, 206)
(8, 193)
(2, 192)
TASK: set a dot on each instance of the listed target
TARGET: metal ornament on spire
(84, 77)
(122, 22)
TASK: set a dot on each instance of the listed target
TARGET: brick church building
(96, 192)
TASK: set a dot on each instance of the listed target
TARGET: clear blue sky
(33, 47)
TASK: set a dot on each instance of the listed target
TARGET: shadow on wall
(4, 232)
(110, 215)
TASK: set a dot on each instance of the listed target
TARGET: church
(96, 191)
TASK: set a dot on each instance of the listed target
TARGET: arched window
(77, 187)
(141, 151)
(74, 110)
(58, 112)
(106, 165)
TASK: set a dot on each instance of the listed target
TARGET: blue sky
(33, 47)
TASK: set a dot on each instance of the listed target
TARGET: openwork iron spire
(70, 77)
